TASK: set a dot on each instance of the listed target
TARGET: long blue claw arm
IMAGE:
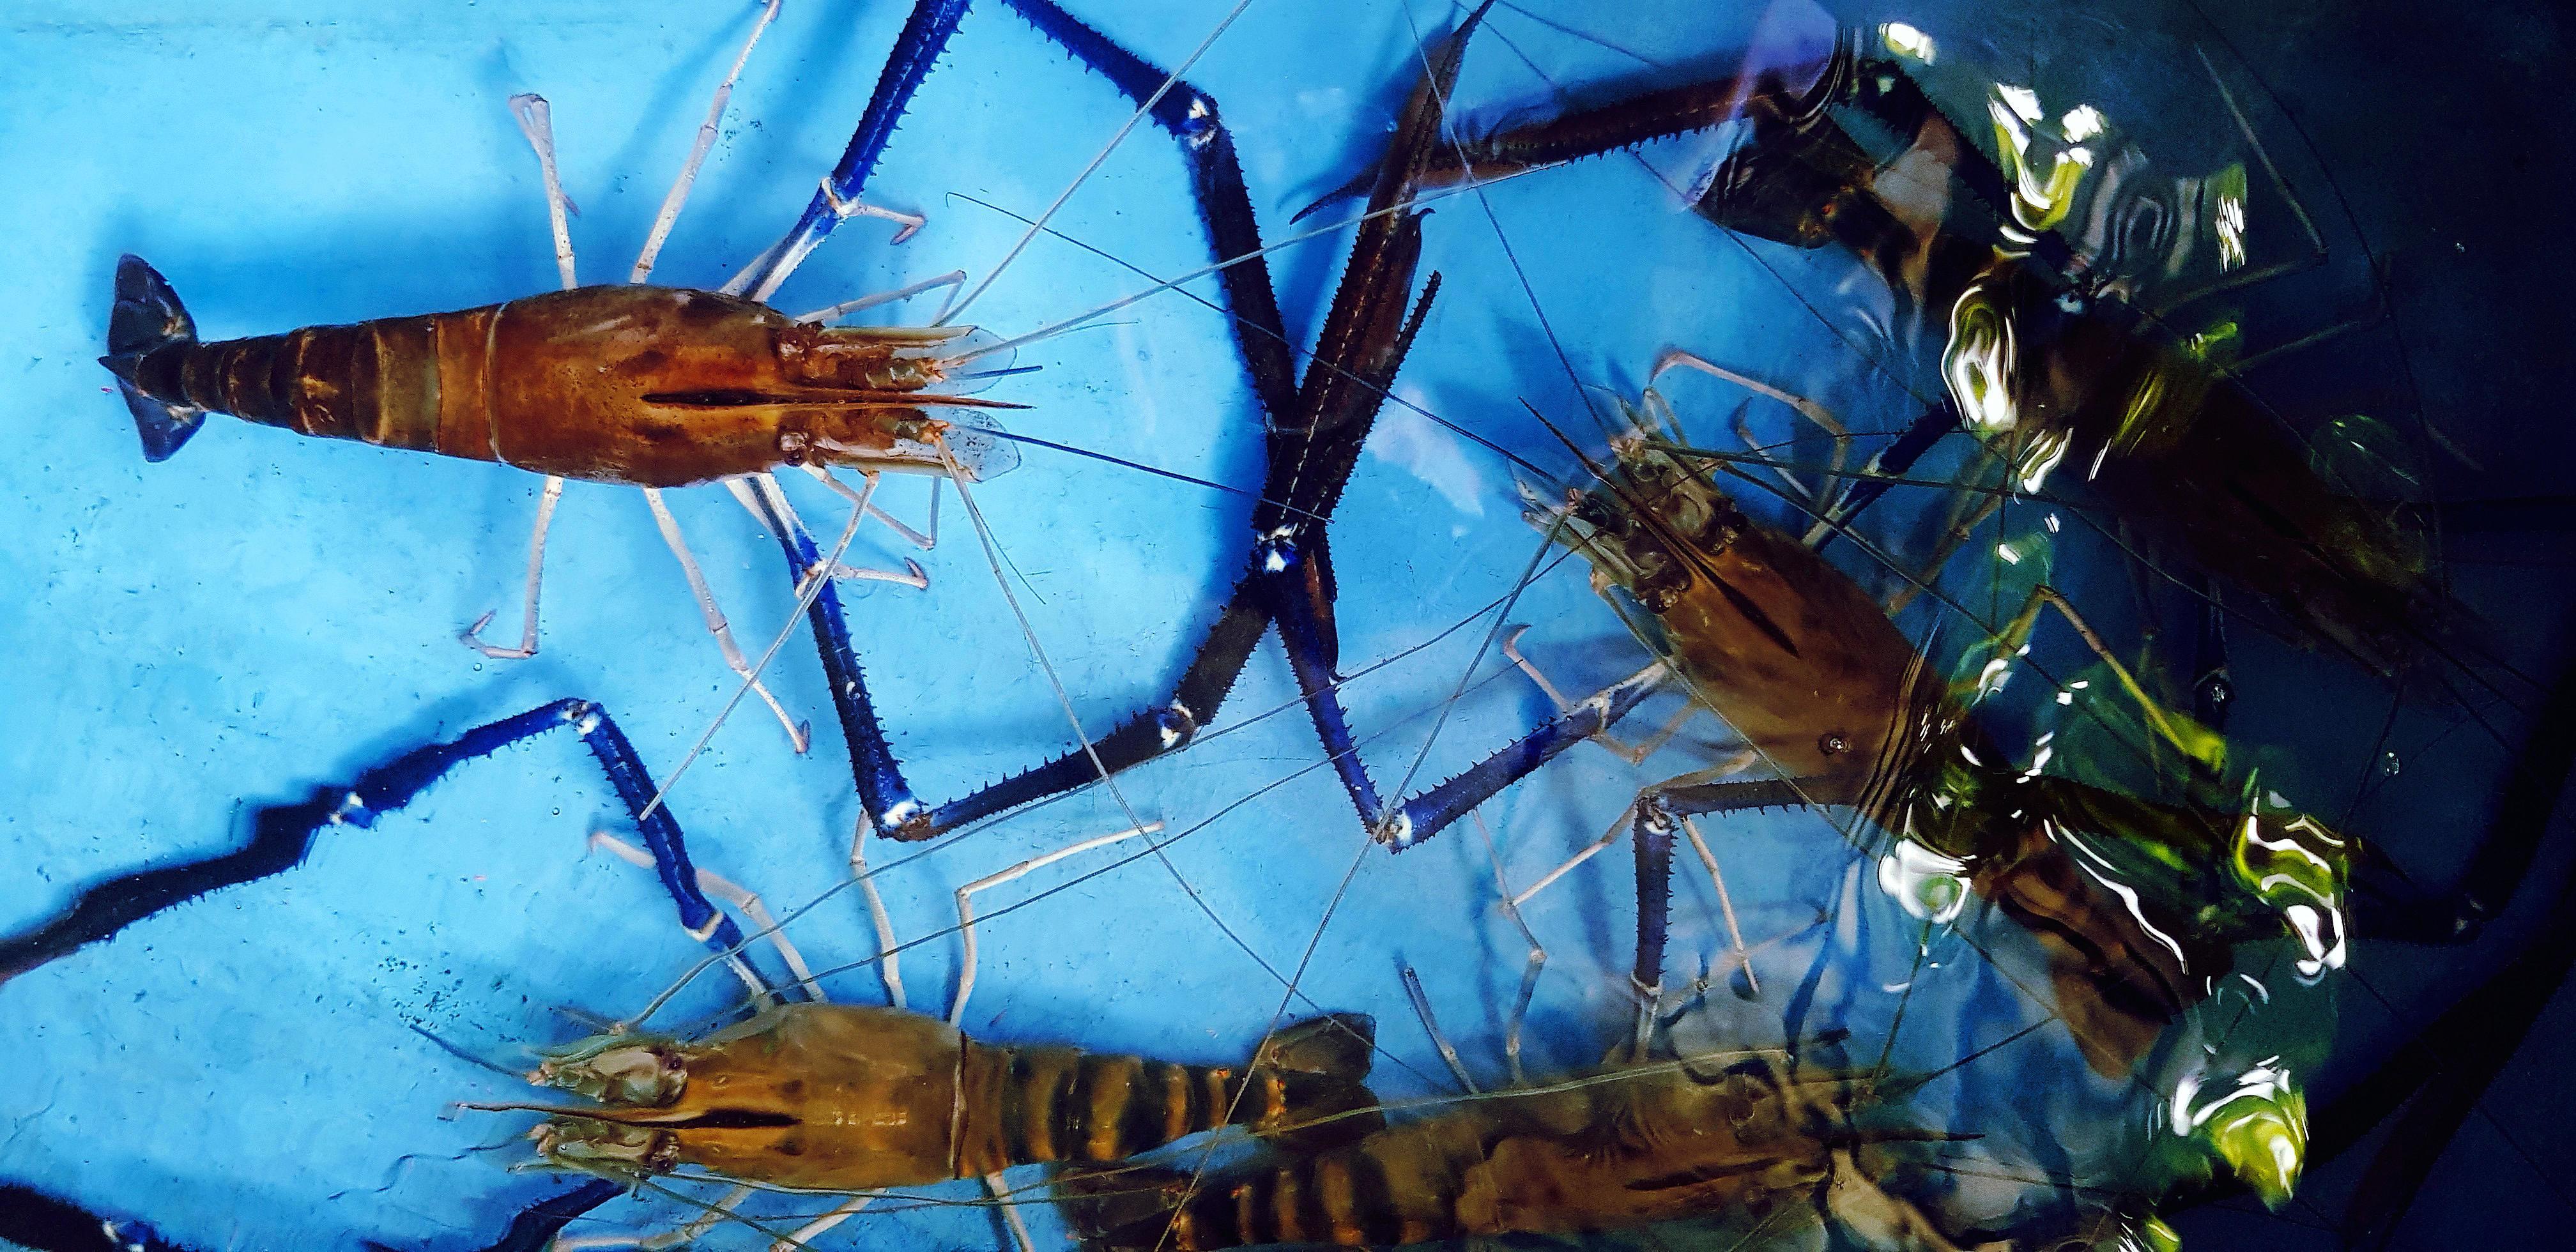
(39, 1220)
(282, 836)
(536, 1226)
(1316, 433)
(1431, 812)
(1295, 592)
(925, 35)
(1195, 699)
(891, 807)
(660, 830)
(1659, 809)
(1651, 834)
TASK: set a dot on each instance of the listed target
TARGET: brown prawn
(1627, 1147)
(834, 1097)
(2049, 358)
(2136, 902)
(650, 386)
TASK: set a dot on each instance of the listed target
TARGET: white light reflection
(1930, 886)
(2100, 870)
(1906, 41)
(2231, 232)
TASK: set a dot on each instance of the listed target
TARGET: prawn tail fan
(148, 317)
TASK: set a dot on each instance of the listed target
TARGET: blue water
(264, 614)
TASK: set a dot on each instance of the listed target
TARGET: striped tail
(148, 317)
(1375, 1194)
(1036, 1105)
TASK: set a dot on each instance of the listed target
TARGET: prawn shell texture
(873, 1094)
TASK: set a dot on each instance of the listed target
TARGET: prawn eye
(1832, 743)
(1717, 532)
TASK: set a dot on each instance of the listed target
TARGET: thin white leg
(679, 193)
(966, 906)
(952, 280)
(680, 1237)
(782, 258)
(742, 898)
(1710, 974)
(1823, 494)
(913, 576)
(536, 122)
(1431, 1026)
(1512, 649)
(1537, 954)
(1000, 1191)
(1744, 435)
(918, 539)
(1633, 754)
(1618, 827)
(806, 1234)
(1725, 903)
(887, 965)
(798, 733)
(473, 635)
(905, 223)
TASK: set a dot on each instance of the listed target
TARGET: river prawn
(629, 384)
(834, 1097)
(1742, 1135)
(1060, 728)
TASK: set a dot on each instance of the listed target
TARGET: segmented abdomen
(376, 381)
(1399, 1188)
(1033, 1105)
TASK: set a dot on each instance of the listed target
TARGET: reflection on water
(1859, 464)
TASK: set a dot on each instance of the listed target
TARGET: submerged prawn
(837, 1097)
(2137, 903)
(1626, 1147)
(2047, 358)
